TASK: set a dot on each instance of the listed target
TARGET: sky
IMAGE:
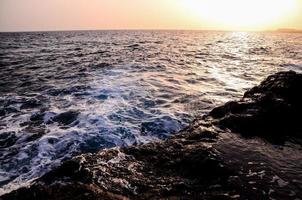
(45, 15)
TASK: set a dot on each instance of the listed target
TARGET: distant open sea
(67, 93)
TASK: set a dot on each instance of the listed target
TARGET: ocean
(67, 93)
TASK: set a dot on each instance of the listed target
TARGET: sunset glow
(150, 99)
(239, 14)
(26, 15)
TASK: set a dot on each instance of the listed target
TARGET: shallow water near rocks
(67, 93)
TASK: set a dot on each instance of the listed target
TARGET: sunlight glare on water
(119, 88)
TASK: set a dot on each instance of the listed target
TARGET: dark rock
(271, 110)
(171, 169)
(7, 139)
(284, 85)
(189, 165)
(66, 118)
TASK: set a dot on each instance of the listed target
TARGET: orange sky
(30, 15)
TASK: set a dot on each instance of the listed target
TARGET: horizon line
(150, 29)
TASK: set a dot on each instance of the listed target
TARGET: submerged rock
(186, 166)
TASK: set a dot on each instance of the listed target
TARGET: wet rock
(66, 118)
(188, 165)
(171, 169)
(271, 110)
(7, 139)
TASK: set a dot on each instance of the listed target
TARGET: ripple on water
(64, 93)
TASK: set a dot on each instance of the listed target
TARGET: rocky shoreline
(203, 161)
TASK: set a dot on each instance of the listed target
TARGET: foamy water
(127, 87)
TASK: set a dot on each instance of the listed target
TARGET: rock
(66, 118)
(271, 110)
(284, 85)
(186, 166)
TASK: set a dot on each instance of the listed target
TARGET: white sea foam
(124, 93)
